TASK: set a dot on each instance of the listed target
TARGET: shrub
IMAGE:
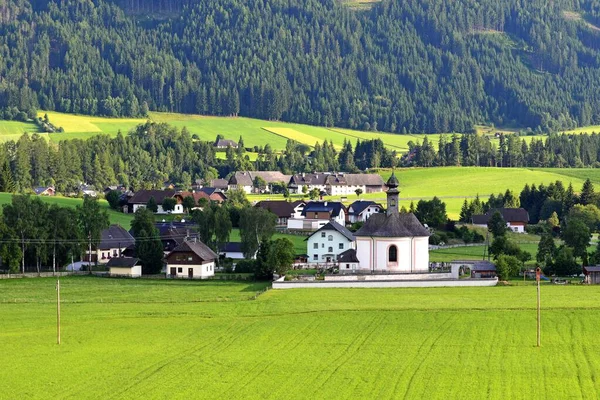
(245, 266)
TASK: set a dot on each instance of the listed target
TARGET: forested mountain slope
(402, 66)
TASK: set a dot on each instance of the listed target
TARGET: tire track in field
(577, 348)
(148, 372)
(251, 374)
(353, 348)
(432, 338)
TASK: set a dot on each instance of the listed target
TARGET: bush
(245, 266)
(435, 239)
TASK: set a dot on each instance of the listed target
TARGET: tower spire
(393, 194)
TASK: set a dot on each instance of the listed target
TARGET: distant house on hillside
(516, 218)
(44, 190)
(193, 260)
(244, 180)
(140, 200)
(210, 194)
(221, 184)
(336, 184)
(88, 190)
(225, 143)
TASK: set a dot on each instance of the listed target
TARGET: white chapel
(393, 241)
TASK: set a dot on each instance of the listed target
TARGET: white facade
(201, 271)
(412, 254)
(300, 222)
(365, 214)
(159, 210)
(133, 272)
(324, 246)
(336, 190)
(517, 227)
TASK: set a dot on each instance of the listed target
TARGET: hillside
(411, 66)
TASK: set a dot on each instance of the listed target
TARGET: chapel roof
(393, 225)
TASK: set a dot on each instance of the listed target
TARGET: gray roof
(41, 189)
(348, 256)
(226, 143)
(122, 262)
(509, 215)
(334, 226)
(361, 205)
(483, 266)
(115, 236)
(143, 196)
(246, 178)
(326, 178)
(394, 225)
(591, 269)
(199, 248)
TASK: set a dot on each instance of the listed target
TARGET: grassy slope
(185, 340)
(115, 217)
(298, 241)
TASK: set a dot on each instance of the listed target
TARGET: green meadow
(131, 339)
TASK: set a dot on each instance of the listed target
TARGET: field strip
(362, 138)
(295, 135)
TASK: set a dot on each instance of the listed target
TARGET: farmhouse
(141, 198)
(516, 218)
(210, 194)
(225, 143)
(246, 180)
(172, 234)
(192, 259)
(393, 241)
(44, 190)
(361, 210)
(336, 184)
(317, 214)
(221, 184)
(124, 266)
(327, 243)
(284, 210)
(113, 242)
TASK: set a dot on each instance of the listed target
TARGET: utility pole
(57, 311)
(538, 275)
(90, 253)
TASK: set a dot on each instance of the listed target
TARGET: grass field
(454, 184)
(157, 339)
(298, 240)
(115, 217)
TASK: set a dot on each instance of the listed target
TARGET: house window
(330, 249)
(393, 254)
(341, 246)
(190, 258)
(322, 234)
(179, 270)
(347, 266)
(316, 257)
(330, 238)
(316, 246)
(322, 245)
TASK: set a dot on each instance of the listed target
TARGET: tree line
(417, 66)
(553, 151)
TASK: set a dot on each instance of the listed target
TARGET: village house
(336, 184)
(141, 198)
(361, 210)
(223, 144)
(245, 180)
(88, 190)
(284, 210)
(124, 266)
(326, 244)
(191, 259)
(44, 191)
(317, 214)
(210, 194)
(114, 241)
(393, 241)
(173, 233)
(348, 261)
(516, 218)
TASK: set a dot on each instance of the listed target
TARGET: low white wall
(281, 284)
(390, 277)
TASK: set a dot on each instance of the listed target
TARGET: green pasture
(115, 217)
(156, 339)
(298, 240)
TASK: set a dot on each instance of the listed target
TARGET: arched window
(330, 238)
(393, 254)
(330, 249)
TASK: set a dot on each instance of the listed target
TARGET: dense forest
(401, 66)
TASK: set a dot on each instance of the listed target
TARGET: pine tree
(587, 193)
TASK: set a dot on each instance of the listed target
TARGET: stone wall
(281, 284)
